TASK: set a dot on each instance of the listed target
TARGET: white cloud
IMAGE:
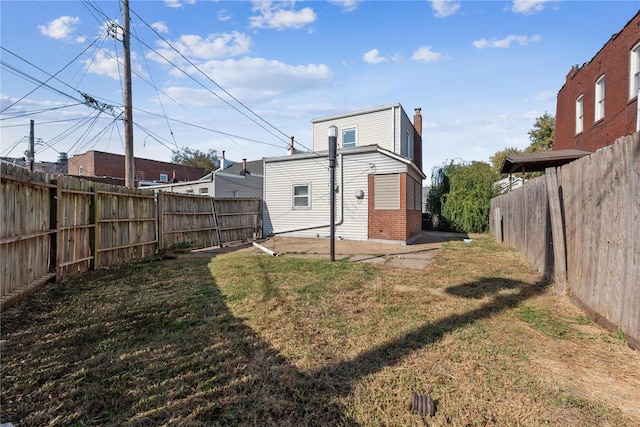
(505, 42)
(224, 15)
(424, 53)
(527, 7)
(160, 27)
(373, 57)
(214, 46)
(105, 64)
(278, 18)
(176, 4)
(444, 8)
(347, 5)
(546, 95)
(61, 28)
(255, 79)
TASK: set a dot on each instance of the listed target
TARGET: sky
(245, 76)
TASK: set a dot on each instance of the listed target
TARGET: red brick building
(599, 101)
(98, 164)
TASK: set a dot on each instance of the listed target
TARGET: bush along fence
(579, 225)
(56, 225)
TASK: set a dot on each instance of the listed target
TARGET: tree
(541, 136)
(498, 158)
(195, 158)
(467, 206)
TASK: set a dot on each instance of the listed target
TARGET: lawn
(247, 339)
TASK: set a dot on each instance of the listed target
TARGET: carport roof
(537, 162)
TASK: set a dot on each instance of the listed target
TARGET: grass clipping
(246, 339)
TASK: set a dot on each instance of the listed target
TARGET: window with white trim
(80, 170)
(164, 177)
(406, 145)
(599, 111)
(301, 196)
(349, 138)
(203, 190)
(634, 74)
(579, 114)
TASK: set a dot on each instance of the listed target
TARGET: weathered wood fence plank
(594, 210)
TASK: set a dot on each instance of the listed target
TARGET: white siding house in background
(240, 180)
(378, 180)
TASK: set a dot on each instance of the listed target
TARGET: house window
(599, 98)
(80, 170)
(348, 138)
(164, 177)
(301, 196)
(634, 75)
(406, 147)
(387, 192)
(579, 114)
(232, 193)
(203, 190)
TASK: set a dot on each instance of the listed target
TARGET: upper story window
(349, 137)
(80, 170)
(406, 147)
(634, 74)
(164, 177)
(301, 196)
(579, 114)
(599, 111)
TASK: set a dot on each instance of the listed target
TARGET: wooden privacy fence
(579, 225)
(56, 225)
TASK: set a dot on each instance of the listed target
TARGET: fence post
(159, 221)
(557, 231)
(60, 220)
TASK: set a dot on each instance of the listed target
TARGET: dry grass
(245, 339)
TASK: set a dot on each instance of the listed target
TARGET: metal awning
(538, 162)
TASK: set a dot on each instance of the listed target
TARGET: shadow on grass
(159, 350)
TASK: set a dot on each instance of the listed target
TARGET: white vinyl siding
(387, 192)
(599, 107)
(351, 178)
(372, 128)
(634, 73)
(414, 195)
(579, 114)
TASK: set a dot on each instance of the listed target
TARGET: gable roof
(254, 167)
(538, 162)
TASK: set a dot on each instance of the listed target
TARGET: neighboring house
(599, 101)
(378, 179)
(59, 167)
(98, 165)
(236, 180)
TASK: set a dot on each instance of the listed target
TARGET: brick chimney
(417, 121)
(417, 140)
(244, 171)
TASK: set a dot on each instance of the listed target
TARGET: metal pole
(333, 143)
(129, 165)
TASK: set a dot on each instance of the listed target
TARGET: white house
(378, 179)
(237, 180)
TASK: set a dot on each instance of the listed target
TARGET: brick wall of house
(396, 224)
(620, 112)
(97, 163)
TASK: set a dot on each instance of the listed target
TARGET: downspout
(341, 204)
